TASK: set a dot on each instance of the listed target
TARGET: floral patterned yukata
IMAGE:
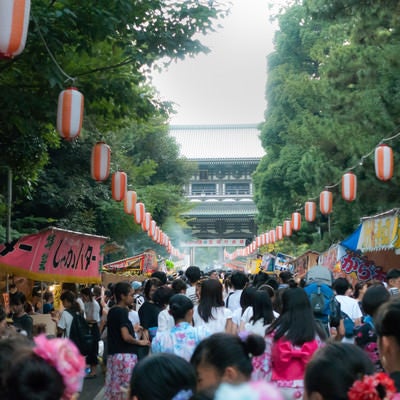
(180, 340)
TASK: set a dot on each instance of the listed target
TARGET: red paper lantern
(156, 234)
(14, 21)
(152, 228)
(310, 211)
(287, 228)
(384, 162)
(349, 186)
(258, 241)
(272, 236)
(296, 221)
(279, 232)
(139, 213)
(146, 221)
(119, 182)
(70, 113)
(325, 202)
(266, 237)
(100, 161)
(130, 202)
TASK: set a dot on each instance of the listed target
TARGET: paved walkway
(93, 388)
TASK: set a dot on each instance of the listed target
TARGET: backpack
(80, 333)
(317, 300)
(348, 325)
(335, 314)
(324, 305)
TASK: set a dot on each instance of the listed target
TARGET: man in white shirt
(348, 305)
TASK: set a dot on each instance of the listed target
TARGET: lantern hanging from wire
(287, 228)
(310, 211)
(139, 213)
(146, 221)
(272, 237)
(70, 113)
(349, 186)
(325, 202)
(119, 183)
(100, 161)
(278, 233)
(296, 221)
(384, 162)
(152, 228)
(130, 202)
(14, 21)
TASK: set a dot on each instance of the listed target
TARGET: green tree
(332, 97)
(106, 49)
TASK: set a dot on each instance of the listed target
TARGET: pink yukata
(284, 364)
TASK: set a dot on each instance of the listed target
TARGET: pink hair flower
(64, 356)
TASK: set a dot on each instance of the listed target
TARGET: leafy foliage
(332, 96)
(106, 49)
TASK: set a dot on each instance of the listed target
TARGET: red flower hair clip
(372, 387)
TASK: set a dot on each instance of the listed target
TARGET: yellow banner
(379, 233)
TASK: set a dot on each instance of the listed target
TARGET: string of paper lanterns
(14, 21)
(384, 165)
(100, 167)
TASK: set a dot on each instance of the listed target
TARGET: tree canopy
(332, 95)
(106, 49)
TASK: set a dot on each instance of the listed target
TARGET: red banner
(55, 255)
(358, 268)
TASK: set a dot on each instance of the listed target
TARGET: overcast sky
(227, 85)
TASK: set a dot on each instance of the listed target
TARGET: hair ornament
(183, 395)
(64, 356)
(372, 387)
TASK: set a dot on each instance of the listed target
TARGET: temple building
(221, 189)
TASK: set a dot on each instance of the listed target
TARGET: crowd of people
(196, 336)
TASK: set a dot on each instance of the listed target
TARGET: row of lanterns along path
(100, 171)
(14, 20)
(383, 170)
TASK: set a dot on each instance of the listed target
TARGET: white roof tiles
(199, 142)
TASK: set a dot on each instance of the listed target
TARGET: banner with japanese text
(55, 255)
(379, 232)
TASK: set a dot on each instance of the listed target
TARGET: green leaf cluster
(332, 95)
(106, 49)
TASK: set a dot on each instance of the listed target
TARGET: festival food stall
(304, 262)
(53, 256)
(379, 239)
(137, 268)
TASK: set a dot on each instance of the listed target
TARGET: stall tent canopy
(55, 255)
(378, 239)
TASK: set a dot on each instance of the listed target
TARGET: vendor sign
(55, 255)
(379, 232)
(358, 268)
